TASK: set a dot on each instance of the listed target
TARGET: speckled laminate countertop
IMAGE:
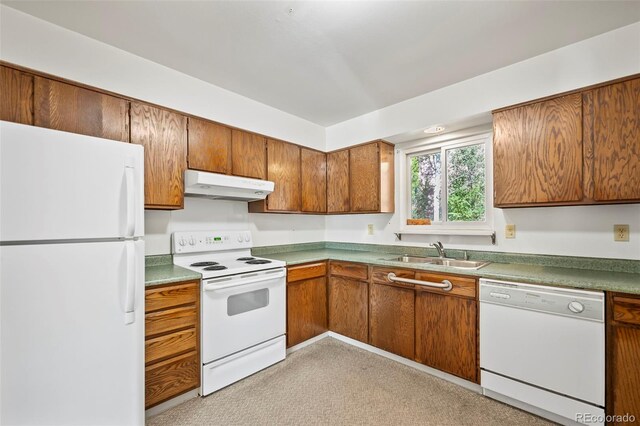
(160, 270)
(527, 273)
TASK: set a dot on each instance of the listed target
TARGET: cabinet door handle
(444, 285)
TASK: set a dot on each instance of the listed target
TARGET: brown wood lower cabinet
(392, 319)
(172, 344)
(623, 355)
(306, 302)
(446, 337)
(348, 307)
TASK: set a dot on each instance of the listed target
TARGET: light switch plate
(510, 231)
(620, 232)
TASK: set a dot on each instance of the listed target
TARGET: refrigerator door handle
(130, 287)
(129, 172)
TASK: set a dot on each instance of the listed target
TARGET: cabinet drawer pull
(444, 285)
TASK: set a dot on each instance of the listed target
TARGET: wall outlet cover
(510, 231)
(370, 229)
(621, 232)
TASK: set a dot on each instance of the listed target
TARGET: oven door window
(249, 301)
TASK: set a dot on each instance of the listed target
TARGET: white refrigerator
(71, 279)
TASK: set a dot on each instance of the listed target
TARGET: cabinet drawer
(171, 319)
(350, 270)
(380, 276)
(170, 344)
(626, 309)
(304, 272)
(462, 286)
(157, 298)
(171, 378)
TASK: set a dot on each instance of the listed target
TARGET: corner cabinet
(172, 341)
(574, 149)
(163, 134)
(306, 302)
(361, 179)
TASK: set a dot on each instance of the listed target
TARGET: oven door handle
(266, 277)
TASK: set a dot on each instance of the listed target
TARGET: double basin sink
(442, 261)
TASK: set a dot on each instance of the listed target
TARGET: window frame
(457, 227)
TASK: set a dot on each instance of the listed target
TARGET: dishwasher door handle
(444, 285)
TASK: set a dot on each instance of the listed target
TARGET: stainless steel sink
(454, 263)
(463, 264)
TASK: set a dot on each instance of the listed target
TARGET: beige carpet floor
(333, 383)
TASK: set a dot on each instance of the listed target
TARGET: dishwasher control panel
(567, 302)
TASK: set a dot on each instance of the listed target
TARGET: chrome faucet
(438, 245)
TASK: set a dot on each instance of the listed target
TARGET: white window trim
(446, 228)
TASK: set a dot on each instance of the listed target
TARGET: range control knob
(576, 307)
(182, 242)
(192, 241)
(239, 238)
(247, 238)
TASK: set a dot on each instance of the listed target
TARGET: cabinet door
(338, 181)
(16, 96)
(74, 109)
(446, 336)
(283, 168)
(623, 355)
(306, 309)
(248, 155)
(537, 153)
(209, 146)
(364, 165)
(614, 119)
(164, 137)
(348, 308)
(392, 319)
(313, 181)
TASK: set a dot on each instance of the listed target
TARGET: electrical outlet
(620, 232)
(370, 229)
(510, 231)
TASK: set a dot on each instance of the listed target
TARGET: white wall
(203, 214)
(577, 231)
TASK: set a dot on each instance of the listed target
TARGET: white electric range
(242, 304)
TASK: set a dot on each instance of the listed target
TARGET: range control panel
(202, 241)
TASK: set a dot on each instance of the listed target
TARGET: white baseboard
(167, 405)
(307, 342)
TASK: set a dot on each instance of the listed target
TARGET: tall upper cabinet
(163, 134)
(572, 149)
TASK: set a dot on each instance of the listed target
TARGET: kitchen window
(449, 184)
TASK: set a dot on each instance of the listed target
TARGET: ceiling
(328, 61)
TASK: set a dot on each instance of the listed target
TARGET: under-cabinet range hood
(225, 187)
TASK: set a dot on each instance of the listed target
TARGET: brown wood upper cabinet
(283, 168)
(313, 181)
(537, 150)
(74, 109)
(612, 136)
(579, 148)
(623, 354)
(163, 134)
(371, 181)
(306, 302)
(16, 96)
(209, 146)
(338, 181)
(248, 154)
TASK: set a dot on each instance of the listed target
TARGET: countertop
(167, 273)
(527, 273)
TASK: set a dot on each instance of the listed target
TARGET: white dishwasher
(544, 347)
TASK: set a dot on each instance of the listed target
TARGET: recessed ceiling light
(434, 129)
